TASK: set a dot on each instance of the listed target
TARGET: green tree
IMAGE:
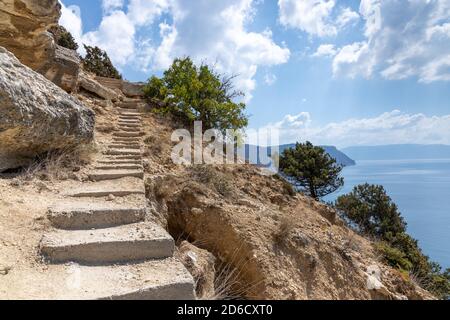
(311, 169)
(194, 93)
(374, 214)
(63, 37)
(98, 62)
(372, 210)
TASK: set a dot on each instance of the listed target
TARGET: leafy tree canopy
(311, 169)
(98, 62)
(197, 93)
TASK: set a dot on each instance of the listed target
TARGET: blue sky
(334, 72)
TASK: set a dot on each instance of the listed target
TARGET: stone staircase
(119, 252)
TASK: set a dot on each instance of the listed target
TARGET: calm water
(421, 189)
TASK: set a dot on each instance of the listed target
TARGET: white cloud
(115, 35)
(403, 39)
(144, 12)
(71, 20)
(111, 5)
(325, 50)
(270, 79)
(395, 127)
(311, 16)
(211, 31)
(347, 17)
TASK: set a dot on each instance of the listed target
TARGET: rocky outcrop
(62, 68)
(89, 84)
(23, 31)
(35, 115)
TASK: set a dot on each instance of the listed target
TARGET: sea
(421, 190)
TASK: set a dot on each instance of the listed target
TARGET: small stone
(4, 270)
(111, 197)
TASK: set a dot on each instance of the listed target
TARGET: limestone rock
(91, 85)
(23, 31)
(35, 115)
(63, 68)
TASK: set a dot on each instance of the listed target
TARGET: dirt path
(99, 248)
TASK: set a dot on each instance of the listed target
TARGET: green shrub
(192, 93)
(63, 37)
(372, 211)
(98, 62)
(394, 257)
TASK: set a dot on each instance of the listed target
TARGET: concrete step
(125, 145)
(164, 279)
(129, 129)
(129, 124)
(132, 242)
(124, 157)
(119, 188)
(130, 113)
(89, 215)
(129, 105)
(112, 174)
(130, 109)
(128, 134)
(114, 152)
(127, 139)
(125, 161)
(130, 119)
(127, 166)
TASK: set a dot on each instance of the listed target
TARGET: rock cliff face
(35, 115)
(23, 31)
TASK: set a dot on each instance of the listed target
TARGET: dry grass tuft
(286, 226)
(59, 164)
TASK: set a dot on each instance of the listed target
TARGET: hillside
(399, 152)
(93, 206)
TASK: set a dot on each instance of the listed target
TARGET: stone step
(119, 188)
(88, 215)
(132, 242)
(129, 124)
(127, 138)
(130, 113)
(124, 157)
(115, 152)
(128, 105)
(125, 161)
(165, 279)
(130, 119)
(129, 129)
(125, 145)
(112, 174)
(126, 142)
(119, 166)
(131, 109)
(128, 134)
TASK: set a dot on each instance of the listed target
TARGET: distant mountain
(399, 152)
(340, 157)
